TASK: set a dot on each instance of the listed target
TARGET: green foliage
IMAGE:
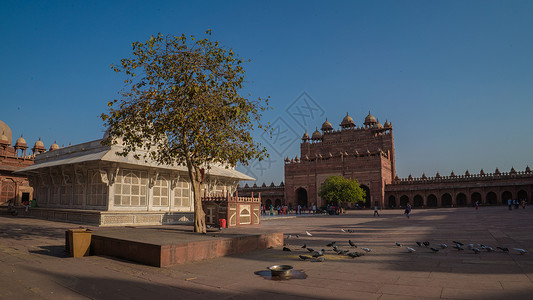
(339, 189)
(181, 105)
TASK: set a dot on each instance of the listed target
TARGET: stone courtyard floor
(33, 264)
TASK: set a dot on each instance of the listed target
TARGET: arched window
(182, 194)
(130, 188)
(7, 192)
(160, 192)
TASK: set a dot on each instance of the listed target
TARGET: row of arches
(269, 202)
(461, 199)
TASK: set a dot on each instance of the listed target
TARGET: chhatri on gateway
(366, 153)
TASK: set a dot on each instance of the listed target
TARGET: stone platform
(163, 247)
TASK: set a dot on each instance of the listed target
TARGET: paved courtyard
(34, 266)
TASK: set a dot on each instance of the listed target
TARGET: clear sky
(455, 78)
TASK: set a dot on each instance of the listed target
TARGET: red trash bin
(222, 223)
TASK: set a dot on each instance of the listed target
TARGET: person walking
(376, 210)
(408, 210)
(510, 203)
(477, 205)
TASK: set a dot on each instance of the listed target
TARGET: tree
(341, 190)
(181, 106)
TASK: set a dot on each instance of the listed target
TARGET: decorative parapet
(230, 199)
(340, 156)
(465, 178)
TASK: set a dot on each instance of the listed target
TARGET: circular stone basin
(281, 270)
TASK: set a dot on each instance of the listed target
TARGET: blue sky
(455, 78)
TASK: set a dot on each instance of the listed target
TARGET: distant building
(366, 153)
(15, 187)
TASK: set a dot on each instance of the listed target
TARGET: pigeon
(305, 257)
(350, 231)
(434, 249)
(318, 253)
(335, 248)
(476, 250)
(354, 254)
(522, 251)
(343, 252)
(426, 243)
(310, 250)
(470, 246)
(286, 249)
(458, 243)
(503, 249)
(419, 244)
(289, 236)
(458, 247)
(343, 230)
(331, 244)
(489, 249)
(398, 244)
(352, 244)
(443, 246)
(297, 236)
(411, 250)
(304, 246)
(309, 234)
(367, 249)
(319, 259)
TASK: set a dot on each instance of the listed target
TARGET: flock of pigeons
(460, 246)
(318, 255)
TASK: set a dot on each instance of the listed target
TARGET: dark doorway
(302, 197)
(522, 195)
(268, 203)
(476, 197)
(432, 201)
(446, 200)
(278, 202)
(418, 201)
(461, 199)
(367, 196)
(492, 199)
(506, 196)
(392, 202)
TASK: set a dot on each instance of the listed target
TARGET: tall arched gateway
(301, 195)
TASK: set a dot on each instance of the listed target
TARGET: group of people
(284, 209)
(516, 204)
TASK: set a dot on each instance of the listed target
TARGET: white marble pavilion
(88, 183)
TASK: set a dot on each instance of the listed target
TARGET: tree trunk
(199, 216)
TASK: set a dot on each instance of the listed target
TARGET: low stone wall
(106, 218)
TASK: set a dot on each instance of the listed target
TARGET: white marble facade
(90, 179)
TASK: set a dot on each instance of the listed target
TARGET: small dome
(54, 146)
(305, 137)
(482, 173)
(452, 174)
(467, 173)
(326, 126)
(347, 122)
(39, 146)
(497, 171)
(316, 135)
(21, 142)
(378, 125)
(370, 120)
(437, 175)
(528, 170)
(387, 124)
